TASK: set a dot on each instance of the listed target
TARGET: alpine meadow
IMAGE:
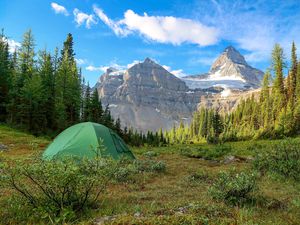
(177, 112)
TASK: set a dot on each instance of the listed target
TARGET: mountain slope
(230, 70)
(148, 97)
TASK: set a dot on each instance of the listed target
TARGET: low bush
(60, 189)
(198, 176)
(234, 188)
(150, 166)
(126, 170)
(213, 153)
(150, 154)
(282, 159)
(125, 173)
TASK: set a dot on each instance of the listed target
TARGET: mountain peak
(230, 48)
(234, 55)
(148, 60)
(110, 70)
(231, 65)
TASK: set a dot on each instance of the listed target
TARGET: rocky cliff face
(228, 103)
(148, 97)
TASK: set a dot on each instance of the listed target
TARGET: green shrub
(150, 154)
(59, 189)
(125, 173)
(233, 188)
(150, 166)
(126, 170)
(198, 176)
(158, 166)
(213, 153)
(282, 159)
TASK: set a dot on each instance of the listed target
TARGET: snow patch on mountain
(207, 83)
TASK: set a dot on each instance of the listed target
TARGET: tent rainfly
(83, 139)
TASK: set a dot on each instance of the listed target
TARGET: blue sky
(184, 36)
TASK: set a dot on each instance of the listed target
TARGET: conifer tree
(96, 110)
(46, 72)
(5, 77)
(68, 88)
(278, 87)
(118, 128)
(293, 77)
(87, 104)
(30, 93)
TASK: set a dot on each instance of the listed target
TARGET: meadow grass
(172, 197)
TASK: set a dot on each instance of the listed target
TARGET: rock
(229, 103)
(104, 220)
(230, 159)
(137, 214)
(3, 147)
(249, 159)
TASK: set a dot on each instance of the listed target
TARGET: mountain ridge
(146, 96)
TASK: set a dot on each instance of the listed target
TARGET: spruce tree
(5, 77)
(96, 110)
(46, 72)
(87, 104)
(278, 87)
(293, 77)
(68, 87)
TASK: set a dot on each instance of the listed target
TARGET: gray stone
(137, 214)
(104, 220)
(3, 147)
(230, 159)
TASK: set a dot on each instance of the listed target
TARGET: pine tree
(118, 128)
(278, 87)
(293, 77)
(96, 111)
(29, 94)
(68, 87)
(87, 104)
(5, 77)
(46, 72)
(107, 118)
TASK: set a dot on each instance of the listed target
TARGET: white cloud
(115, 26)
(83, 18)
(162, 29)
(133, 63)
(112, 64)
(95, 68)
(12, 44)
(166, 67)
(81, 61)
(59, 9)
(178, 73)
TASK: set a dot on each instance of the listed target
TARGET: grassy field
(176, 196)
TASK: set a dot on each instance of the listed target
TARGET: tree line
(45, 93)
(273, 113)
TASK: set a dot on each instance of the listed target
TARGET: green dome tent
(82, 140)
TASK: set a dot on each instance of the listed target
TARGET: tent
(82, 140)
